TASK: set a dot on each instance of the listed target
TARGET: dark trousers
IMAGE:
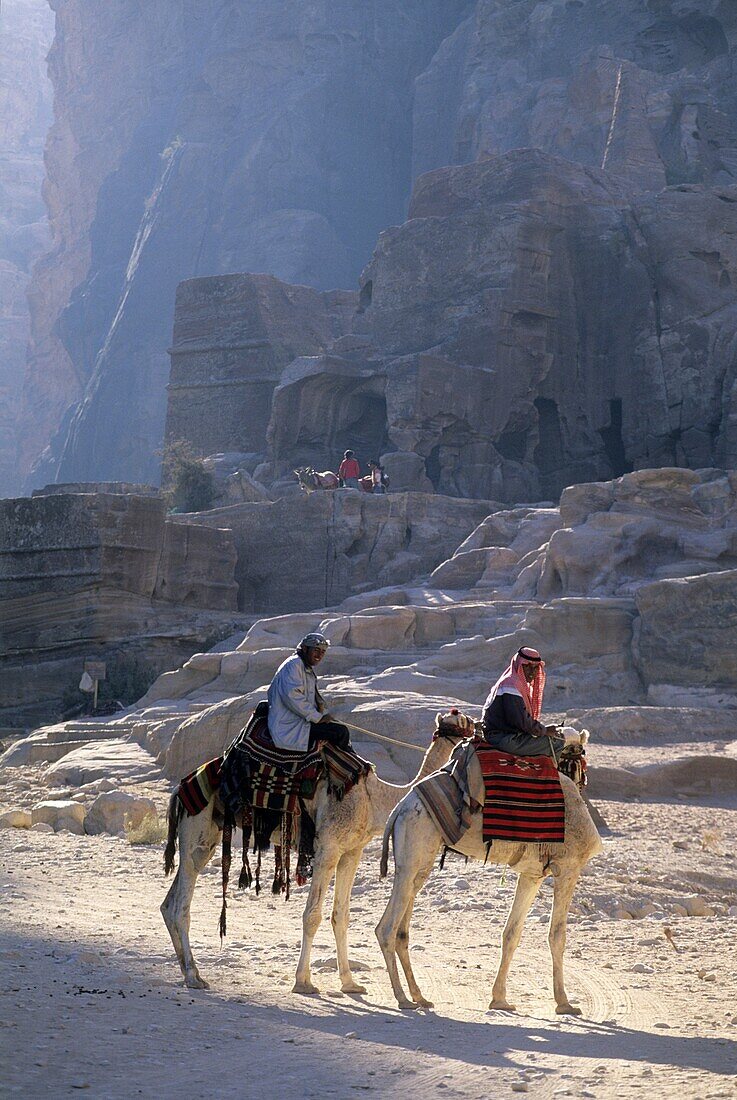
(524, 744)
(334, 732)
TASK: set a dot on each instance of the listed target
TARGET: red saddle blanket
(524, 801)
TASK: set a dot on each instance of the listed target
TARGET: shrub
(151, 830)
(185, 481)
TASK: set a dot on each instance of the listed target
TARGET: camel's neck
(384, 796)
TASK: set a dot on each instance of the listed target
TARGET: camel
(311, 480)
(417, 842)
(343, 829)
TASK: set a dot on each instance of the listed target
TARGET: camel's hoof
(408, 1006)
(567, 1010)
(422, 1002)
(502, 1006)
(353, 987)
(196, 982)
(307, 988)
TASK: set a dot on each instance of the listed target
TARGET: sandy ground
(92, 998)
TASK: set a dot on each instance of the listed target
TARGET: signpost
(96, 670)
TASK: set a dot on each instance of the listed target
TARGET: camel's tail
(388, 835)
(173, 816)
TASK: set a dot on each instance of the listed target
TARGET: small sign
(95, 669)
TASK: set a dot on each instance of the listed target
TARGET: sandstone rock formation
(599, 585)
(273, 136)
(552, 338)
(233, 337)
(314, 550)
(113, 811)
(537, 321)
(26, 30)
(107, 577)
(644, 90)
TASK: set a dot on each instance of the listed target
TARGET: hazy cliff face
(26, 28)
(196, 139)
(193, 139)
(642, 88)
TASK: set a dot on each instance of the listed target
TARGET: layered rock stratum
(600, 584)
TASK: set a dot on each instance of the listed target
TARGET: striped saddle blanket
(523, 797)
(254, 773)
(519, 797)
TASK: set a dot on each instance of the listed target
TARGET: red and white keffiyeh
(513, 677)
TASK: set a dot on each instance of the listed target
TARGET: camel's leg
(563, 889)
(344, 876)
(322, 872)
(403, 942)
(416, 843)
(198, 838)
(524, 895)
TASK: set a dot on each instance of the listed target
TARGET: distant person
(349, 471)
(376, 473)
(297, 715)
(512, 710)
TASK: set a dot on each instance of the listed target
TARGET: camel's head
(453, 724)
(305, 476)
(575, 738)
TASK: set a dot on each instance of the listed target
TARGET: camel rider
(297, 715)
(512, 710)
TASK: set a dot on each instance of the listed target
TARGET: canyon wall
(558, 307)
(202, 138)
(26, 30)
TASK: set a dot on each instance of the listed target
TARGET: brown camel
(344, 828)
(417, 842)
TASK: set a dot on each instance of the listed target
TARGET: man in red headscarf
(512, 710)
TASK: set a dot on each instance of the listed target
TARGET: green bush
(185, 481)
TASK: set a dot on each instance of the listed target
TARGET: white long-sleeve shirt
(293, 704)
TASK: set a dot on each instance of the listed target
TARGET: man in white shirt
(297, 715)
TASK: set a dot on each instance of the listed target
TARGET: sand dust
(92, 997)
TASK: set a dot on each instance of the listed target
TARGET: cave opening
(361, 425)
(512, 444)
(613, 440)
(549, 456)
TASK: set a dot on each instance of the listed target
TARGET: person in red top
(349, 471)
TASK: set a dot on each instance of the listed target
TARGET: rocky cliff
(284, 138)
(628, 588)
(26, 29)
(103, 575)
(197, 139)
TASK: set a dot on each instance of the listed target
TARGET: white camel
(417, 842)
(343, 829)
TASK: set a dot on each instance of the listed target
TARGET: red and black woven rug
(524, 801)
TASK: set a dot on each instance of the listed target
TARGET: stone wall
(313, 551)
(233, 336)
(105, 576)
(553, 337)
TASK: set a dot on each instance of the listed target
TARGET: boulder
(116, 759)
(687, 629)
(16, 819)
(60, 814)
(112, 811)
(406, 472)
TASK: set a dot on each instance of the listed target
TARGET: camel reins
(390, 740)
